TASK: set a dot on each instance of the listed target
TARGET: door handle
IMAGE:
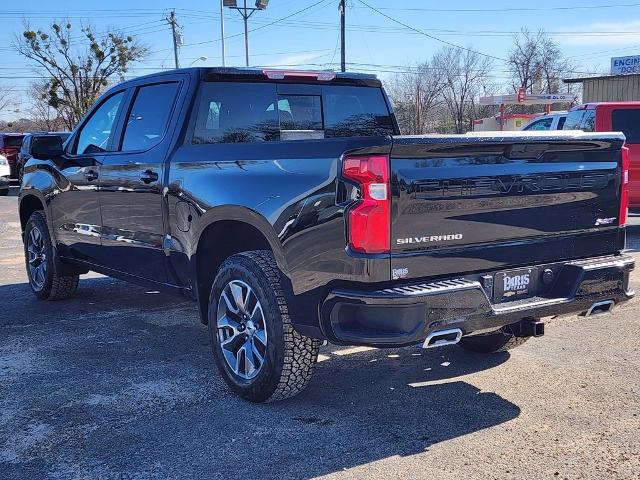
(91, 175)
(149, 176)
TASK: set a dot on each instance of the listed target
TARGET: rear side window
(356, 112)
(13, 141)
(589, 121)
(581, 120)
(149, 116)
(236, 113)
(574, 120)
(561, 121)
(627, 121)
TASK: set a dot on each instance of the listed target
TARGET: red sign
(522, 94)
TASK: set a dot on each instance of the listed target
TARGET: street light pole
(246, 13)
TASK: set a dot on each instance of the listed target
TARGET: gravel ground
(119, 383)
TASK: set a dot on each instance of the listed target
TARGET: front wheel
(494, 342)
(44, 279)
(260, 355)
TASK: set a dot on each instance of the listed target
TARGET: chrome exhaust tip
(600, 308)
(440, 338)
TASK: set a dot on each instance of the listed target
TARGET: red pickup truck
(613, 117)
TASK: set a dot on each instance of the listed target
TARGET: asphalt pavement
(119, 382)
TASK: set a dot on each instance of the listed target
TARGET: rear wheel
(261, 357)
(494, 342)
(45, 281)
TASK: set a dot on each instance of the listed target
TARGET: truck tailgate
(469, 203)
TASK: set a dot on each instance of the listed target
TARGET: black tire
(4, 193)
(495, 342)
(288, 357)
(51, 285)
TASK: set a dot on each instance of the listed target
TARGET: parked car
(290, 208)
(613, 117)
(551, 121)
(5, 173)
(9, 147)
(25, 150)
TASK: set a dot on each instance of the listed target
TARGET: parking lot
(119, 383)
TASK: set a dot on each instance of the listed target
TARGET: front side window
(97, 132)
(236, 113)
(544, 124)
(627, 121)
(149, 116)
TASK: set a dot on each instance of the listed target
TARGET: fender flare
(244, 215)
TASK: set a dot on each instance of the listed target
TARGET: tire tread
(300, 352)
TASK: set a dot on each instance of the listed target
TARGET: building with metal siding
(609, 88)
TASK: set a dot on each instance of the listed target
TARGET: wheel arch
(29, 203)
(223, 233)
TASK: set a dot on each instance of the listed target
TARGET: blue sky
(589, 36)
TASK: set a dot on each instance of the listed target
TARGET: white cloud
(598, 34)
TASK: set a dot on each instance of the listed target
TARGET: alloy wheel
(37, 258)
(241, 328)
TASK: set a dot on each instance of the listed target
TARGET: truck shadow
(122, 383)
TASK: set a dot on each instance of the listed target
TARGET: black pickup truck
(290, 208)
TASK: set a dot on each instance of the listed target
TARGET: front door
(75, 208)
(131, 183)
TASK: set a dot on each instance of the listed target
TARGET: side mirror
(46, 147)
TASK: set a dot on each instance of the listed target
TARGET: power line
(514, 9)
(274, 22)
(429, 35)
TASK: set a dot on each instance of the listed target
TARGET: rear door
(626, 119)
(468, 203)
(131, 181)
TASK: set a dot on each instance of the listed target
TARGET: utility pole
(174, 29)
(343, 54)
(246, 31)
(418, 111)
(224, 61)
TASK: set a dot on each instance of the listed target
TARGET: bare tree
(77, 73)
(536, 62)
(6, 98)
(465, 77)
(416, 94)
(43, 115)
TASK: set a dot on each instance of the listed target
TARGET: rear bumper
(408, 313)
(4, 182)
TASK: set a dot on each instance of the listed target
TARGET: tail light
(369, 221)
(624, 188)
